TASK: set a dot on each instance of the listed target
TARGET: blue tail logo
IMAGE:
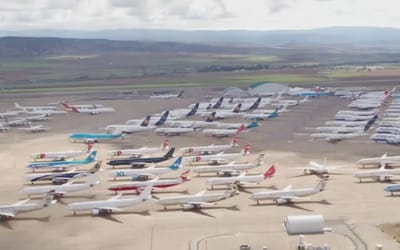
(177, 164)
(252, 124)
(92, 156)
(163, 119)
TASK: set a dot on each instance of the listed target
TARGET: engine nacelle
(141, 178)
(384, 178)
(281, 201)
(94, 112)
(95, 211)
(188, 206)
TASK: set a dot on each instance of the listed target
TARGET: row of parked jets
(388, 130)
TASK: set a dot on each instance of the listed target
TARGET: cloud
(276, 6)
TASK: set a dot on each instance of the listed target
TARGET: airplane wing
(7, 214)
(287, 188)
(115, 197)
(21, 202)
(201, 193)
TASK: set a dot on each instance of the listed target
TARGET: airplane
(141, 162)
(61, 190)
(210, 106)
(259, 116)
(221, 125)
(130, 128)
(30, 108)
(89, 109)
(340, 130)
(317, 168)
(387, 138)
(392, 188)
(10, 211)
(139, 152)
(209, 148)
(38, 118)
(168, 96)
(388, 130)
(35, 129)
(156, 183)
(9, 114)
(392, 114)
(384, 159)
(196, 201)
(62, 177)
(381, 174)
(161, 120)
(44, 112)
(357, 113)
(229, 169)
(217, 158)
(60, 156)
(355, 117)
(390, 124)
(223, 132)
(68, 106)
(138, 174)
(94, 137)
(4, 128)
(347, 123)
(173, 131)
(105, 207)
(22, 122)
(242, 179)
(223, 113)
(288, 194)
(181, 113)
(209, 122)
(61, 165)
(335, 137)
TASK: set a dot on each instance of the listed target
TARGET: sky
(196, 14)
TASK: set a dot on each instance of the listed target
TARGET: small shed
(305, 224)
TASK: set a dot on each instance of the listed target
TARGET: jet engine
(188, 206)
(281, 201)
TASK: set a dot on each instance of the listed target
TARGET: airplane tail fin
(256, 103)
(270, 172)
(165, 145)
(235, 141)
(92, 156)
(177, 164)
(211, 117)
(237, 108)
(145, 121)
(240, 129)
(180, 93)
(194, 109)
(16, 104)
(218, 103)
(246, 149)
(163, 118)
(253, 124)
(89, 146)
(170, 153)
(75, 109)
(96, 167)
(259, 160)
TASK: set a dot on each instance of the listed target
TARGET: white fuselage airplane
(152, 171)
(38, 118)
(209, 149)
(229, 169)
(196, 200)
(357, 113)
(31, 108)
(9, 211)
(113, 204)
(139, 152)
(340, 129)
(288, 194)
(334, 137)
(191, 124)
(9, 114)
(61, 190)
(130, 128)
(390, 124)
(223, 132)
(384, 159)
(387, 138)
(217, 158)
(173, 131)
(317, 168)
(354, 117)
(388, 130)
(347, 123)
(62, 155)
(35, 129)
(381, 174)
(241, 180)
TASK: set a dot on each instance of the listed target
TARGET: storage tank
(304, 224)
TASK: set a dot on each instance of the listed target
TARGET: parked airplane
(92, 110)
(173, 131)
(355, 117)
(209, 122)
(21, 122)
(387, 138)
(347, 123)
(335, 137)
(60, 156)
(62, 177)
(182, 113)
(104, 207)
(221, 125)
(388, 130)
(4, 128)
(217, 158)
(10, 211)
(94, 137)
(317, 168)
(153, 171)
(31, 108)
(61, 165)
(242, 179)
(260, 116)
(38, 118)
(390, 124)
(156, 183)
(168, 96)
(384, 159)
(210, 106)
(196, 201)
(61, 190)
(35, 129)
(392, 188)
(67, 106)
(208, 149)
(222, 113)
(9, 114)
(381, 174)
(139, 152)
(154, 121)
(229, 169)
(340, 130)
(357, 113)
(223, 132)
(288, 194)
(130, 128)
(141, 162)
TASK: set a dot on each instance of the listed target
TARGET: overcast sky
(196, 14)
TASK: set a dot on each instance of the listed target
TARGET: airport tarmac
(286, 143)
